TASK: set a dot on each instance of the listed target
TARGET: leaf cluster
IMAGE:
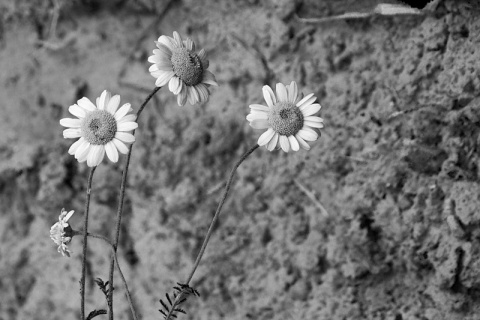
(180, 294)
(104, 287)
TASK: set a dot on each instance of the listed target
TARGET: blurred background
(396, 168)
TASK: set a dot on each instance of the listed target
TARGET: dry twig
(382, 9)
(312, 197)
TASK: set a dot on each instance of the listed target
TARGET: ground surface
(396, 167)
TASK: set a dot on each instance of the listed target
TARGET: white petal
(174, 85)
(313, 119)
(281, 92)
(163, 50)
(302, 142)
(293, 143)
(202, 92)
(122, 111)
(259, 107)
(194, 94)
(284, 143)
(259, 124)
(157, 74)
(269, 96)
(306, 102)
(209, 78)
(307, 134)
(299, 103)
(306, 128)
(257, 116)
(191, 96)
(258, 112)
(69, 215)
(103, 100)
(164, 78)
(113, 104)
(292, 92)
(273, 143)
(100, 155)
(70, 123)
(72, 133)
(75, 146)
(127, 126)
(86, 104)
(120, 145)
(313, 124)
(309, 109)
(161, 66)
(167, 42)
(125, 137)
(160, 62)
(153, 67)
(202, 54)
(82, 151)
(95, 156)
(203, 58)
(178, 39)
(189, 44)
(128, 118)
(266, 137)
(111, 151)
(77, 111)
(182, 96)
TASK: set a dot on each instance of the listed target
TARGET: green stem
(120, 207)
(85, 228)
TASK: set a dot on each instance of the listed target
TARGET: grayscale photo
(240, 160)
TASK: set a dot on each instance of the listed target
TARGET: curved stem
(217, 213)
(181, 296)
(120, 207)
(114, 253)
(85, 228)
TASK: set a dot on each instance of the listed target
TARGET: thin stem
(181, 296)
(217, 213)
(85, 230)
(120, 207)
(114, 253)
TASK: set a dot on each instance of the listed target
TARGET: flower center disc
(285, 118)
(99, 127)
(187, 66)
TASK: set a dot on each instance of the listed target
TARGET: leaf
(179, 292)
(163, 312)
(95, 313)
(104, 287)
(164, 305)
(180, 310)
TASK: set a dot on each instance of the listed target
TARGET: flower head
(101, 128)
(175, 62)
(61, 233)
(289, 121)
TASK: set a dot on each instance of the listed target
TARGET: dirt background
(396, 168)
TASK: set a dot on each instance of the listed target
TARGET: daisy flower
(175, 62)
(289, 122)
(61, 233)
(101, 129)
